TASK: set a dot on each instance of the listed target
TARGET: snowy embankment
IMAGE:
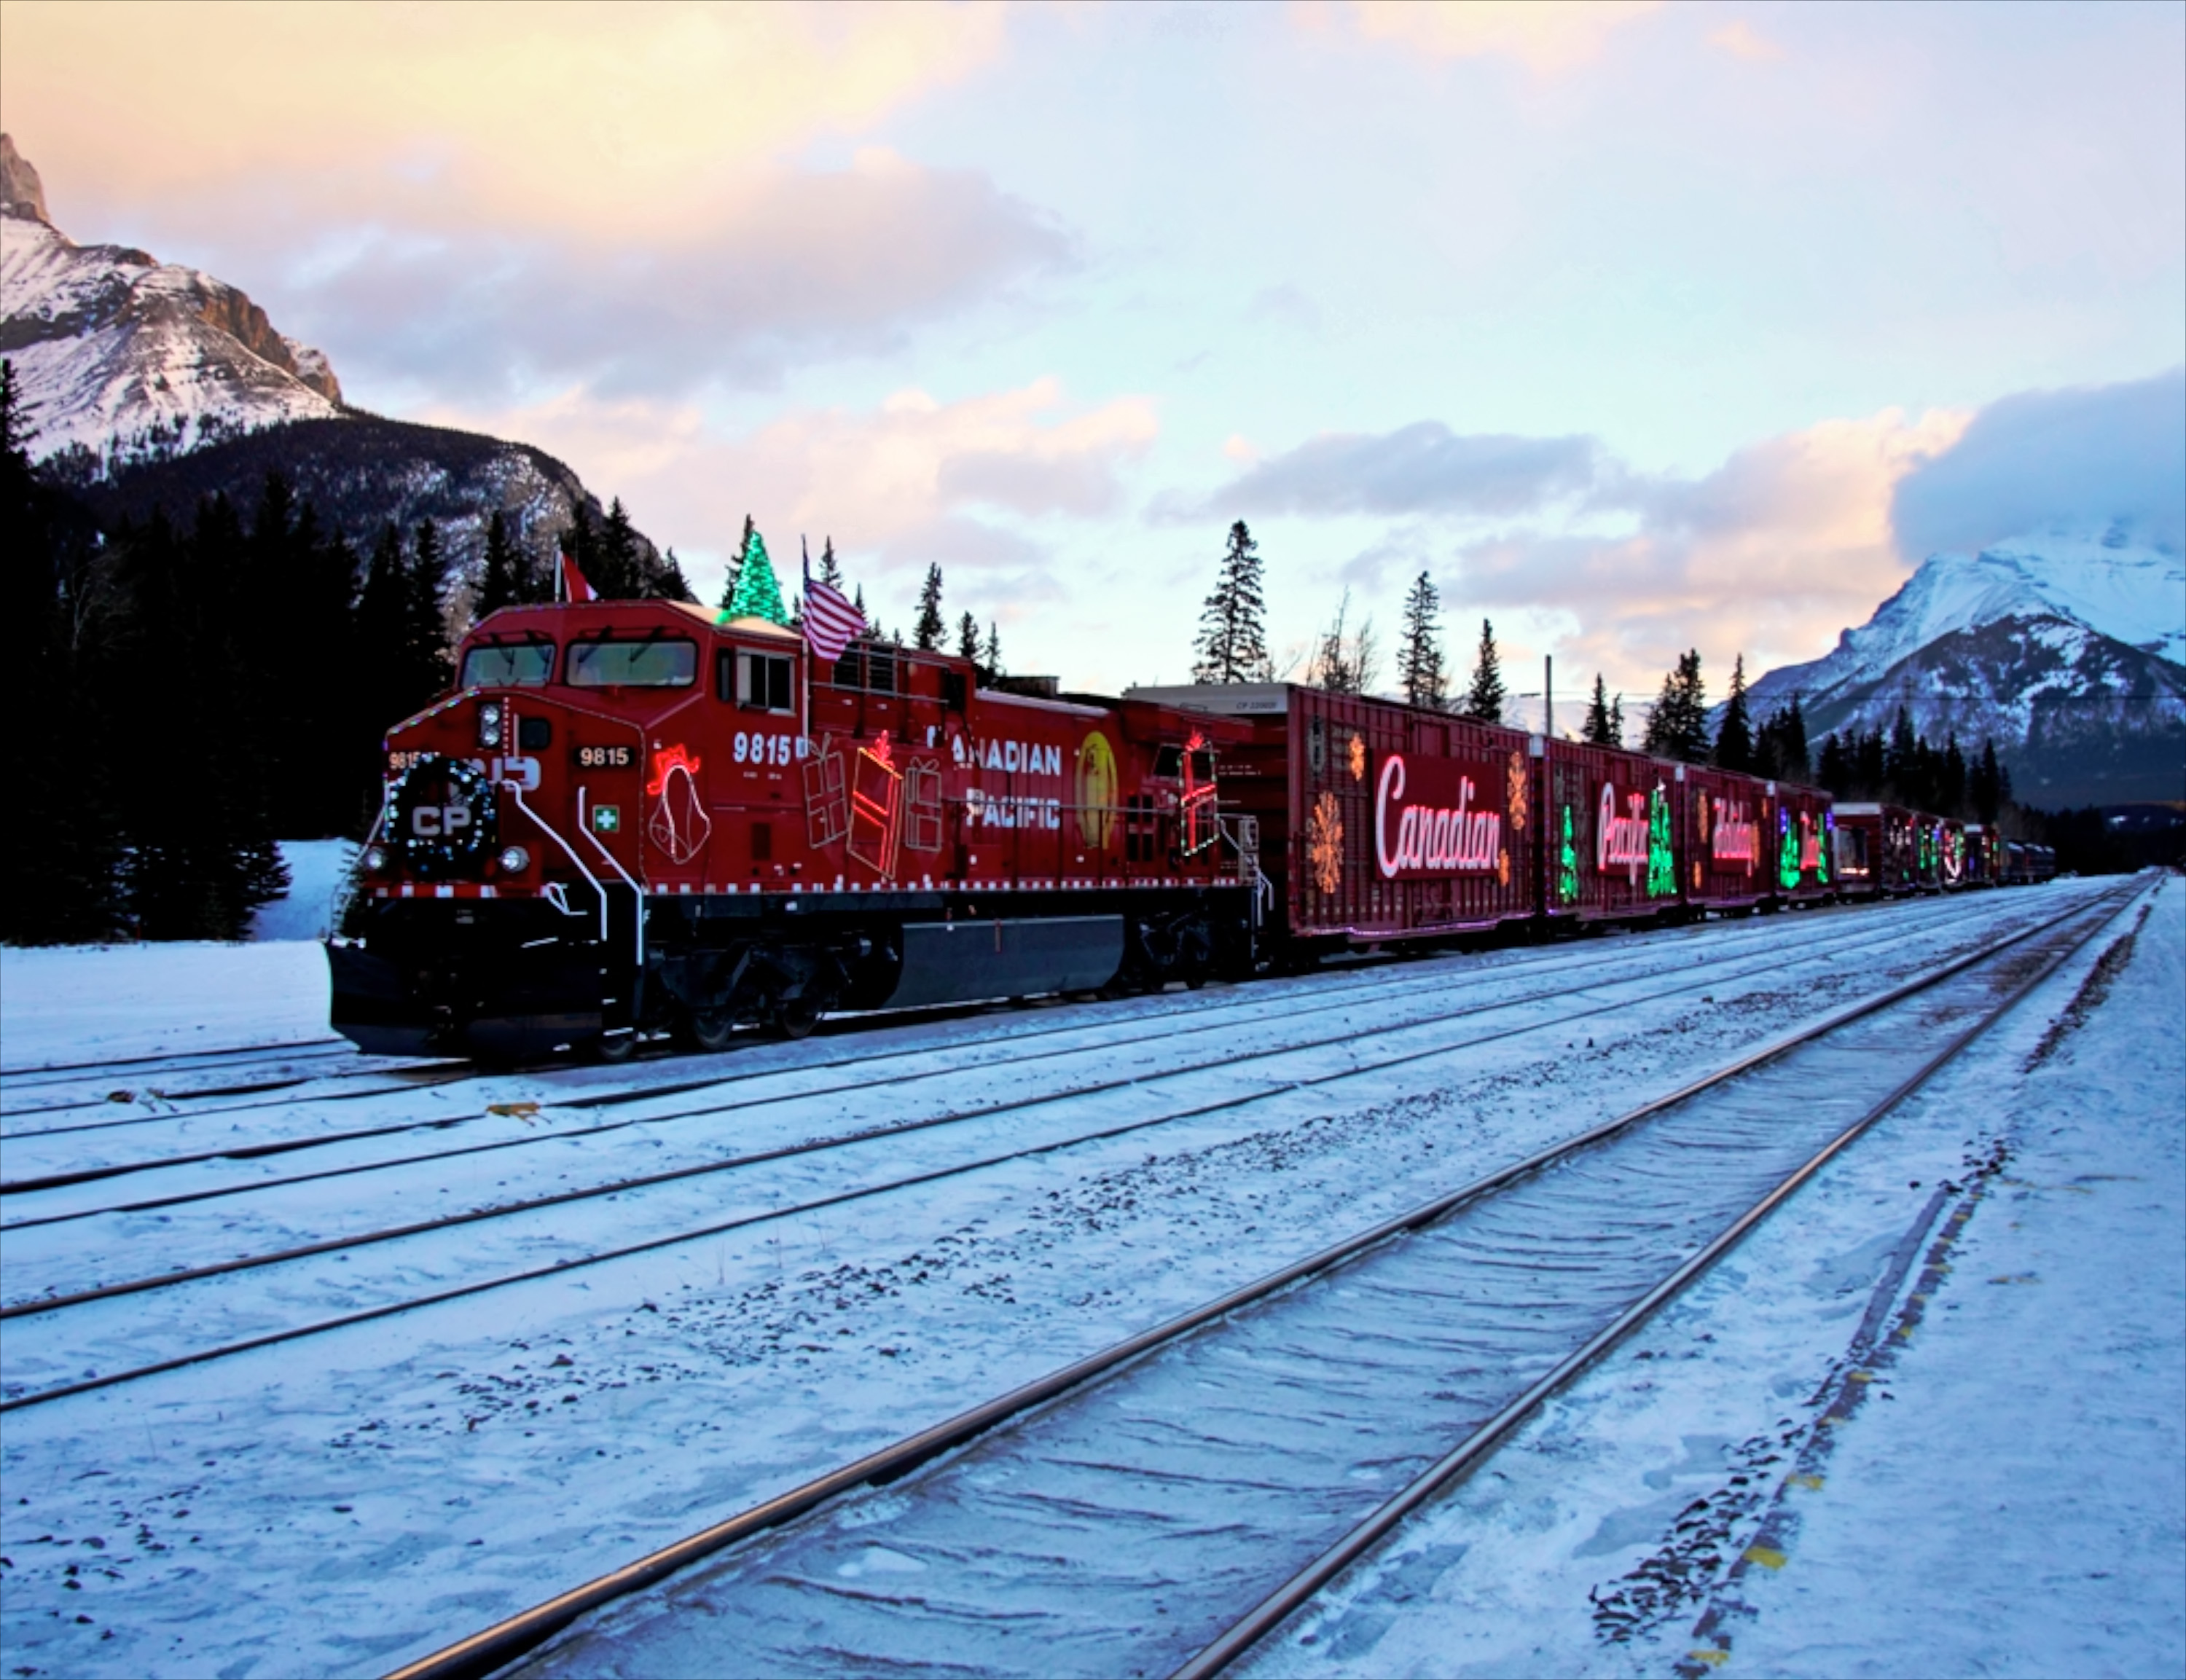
(343, 1502)
(81, 1003)
(1988, 1482)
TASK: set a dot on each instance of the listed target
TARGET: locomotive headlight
(489, 720)
(514, 860)
(375, 858)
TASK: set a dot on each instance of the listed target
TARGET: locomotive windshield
(632, 664)
(515, 664)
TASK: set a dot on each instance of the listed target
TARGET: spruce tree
(967, 638)
(927, 633)
(1232, 643)
(756, 595)
(1483, 700)
(1677, 726)
(619, 574)
(991, 655)
(830, 574)
(1419, 665)
(1733, 738)
(1601, 728)
(425, 664)
(737, 562)
(500, 584)
(669, 584)
(1986, 787)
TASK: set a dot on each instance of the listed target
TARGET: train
(633, 820)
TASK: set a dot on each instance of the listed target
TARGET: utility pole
(1549, 695)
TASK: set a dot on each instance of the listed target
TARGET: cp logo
(431, 822)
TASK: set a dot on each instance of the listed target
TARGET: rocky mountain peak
(21, 192)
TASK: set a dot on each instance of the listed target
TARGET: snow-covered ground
(342, 1502)
(1992, 1482)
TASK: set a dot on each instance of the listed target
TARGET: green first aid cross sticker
(606, 819)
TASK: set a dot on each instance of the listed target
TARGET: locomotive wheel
(796, 1017)
(613, 1046)
(708, 1029)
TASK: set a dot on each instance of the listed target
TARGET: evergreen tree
(830, 573)
(425, 654)
(1485, 699)
(931, 627)
(991, 655)
(1232, 643)
(500, 584)
(1602, 727)
(1951, 779)
(1986, 784)
(967, 638)
(1901, 763)
(1419, 665)
(61, 843)
(737, 565)
(1677, 726)
(1617, 719)
(618, 572)
(1733, 738)
(756, 595)
(669, 584)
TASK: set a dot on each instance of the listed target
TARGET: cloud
(781, 274)
(604, 120)
(914, 481)
(1422, 468)
(1546, 35)
(1741, 40)
(1771, 554)
(2083, 455)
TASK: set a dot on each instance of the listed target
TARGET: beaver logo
(1097, 789)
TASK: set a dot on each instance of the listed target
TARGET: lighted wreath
(441, 820)
(1324, 843)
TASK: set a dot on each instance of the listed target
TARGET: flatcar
(634, 818)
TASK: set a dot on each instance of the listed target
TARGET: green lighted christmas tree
(1662, 866)
(1787, 855)
(757, 594)
(1823, 841)
(1567, 865)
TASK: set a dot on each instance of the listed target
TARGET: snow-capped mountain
(151, 386)
(125, 358)
(2066, 646)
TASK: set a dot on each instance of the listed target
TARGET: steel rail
(251, 1263)
(1316, 989)
(1309, 1004)
(490, 1648)
(1467, 1456)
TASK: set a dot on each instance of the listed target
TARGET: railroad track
(1185, 1017)
(193, 1324)
(1161, 1506)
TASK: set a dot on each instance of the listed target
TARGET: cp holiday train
(634, 818)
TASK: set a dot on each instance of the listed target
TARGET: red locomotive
(630, 816)
(633, 818)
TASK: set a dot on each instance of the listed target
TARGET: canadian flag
(574, 586)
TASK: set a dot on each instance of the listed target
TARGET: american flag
(830, 622)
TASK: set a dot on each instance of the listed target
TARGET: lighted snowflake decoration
(1358, 757)
(1324, 842)
(1503, 868)
(1517, 783)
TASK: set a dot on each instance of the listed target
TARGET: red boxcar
(1613, 834)
(1804, 832)
(1878, 849)
(1378, 822)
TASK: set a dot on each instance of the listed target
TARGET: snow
(125, 360)
(2009, 1498)
(2119, 584)
(317, 870)
(344, 1503)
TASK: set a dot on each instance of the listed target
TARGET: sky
(1636, 327)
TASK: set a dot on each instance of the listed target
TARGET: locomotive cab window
(651, 663)
(758, 682)
(508, 665)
